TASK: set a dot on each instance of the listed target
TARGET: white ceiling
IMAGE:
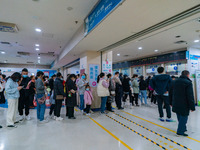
(131, 17)
(51, 16)
(162, 40)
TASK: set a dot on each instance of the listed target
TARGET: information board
(107, 67)
(93, 74)
(102, 9)
(198, 86)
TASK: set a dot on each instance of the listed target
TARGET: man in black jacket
(51, 83)
(58, 92)
(161, 84)
(24, 96)
(183, 101)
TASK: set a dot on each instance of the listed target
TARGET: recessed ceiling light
(5, 61)
(37, 45)
(118, 54)
(37, 49)
(196, 41)
(156, 50)
(3, 52)
(38, 30)
(139, 47)
(70, 8)
(38, 57)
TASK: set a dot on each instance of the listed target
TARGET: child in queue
(88, 98)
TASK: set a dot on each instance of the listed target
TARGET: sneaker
(11, 126)
(181, 134)
(59, 119)
(28, 117)
(54, 117)
(121, 108)
(21, 118)
(88, 114)
(161, 119)
(91, 112)
(44, 121)
(1, 127)
(16, 122)
(72, 118)
(138, 105)
(111, 110)
(169, 120)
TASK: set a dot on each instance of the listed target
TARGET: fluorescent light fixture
(37, 49)
(38, 57)
(196, 41)
(139, 47)
(156, 50)
(118, 54)
(38, 30)
(37, 45)
(3, 52)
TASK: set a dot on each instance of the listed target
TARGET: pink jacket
(88, 98)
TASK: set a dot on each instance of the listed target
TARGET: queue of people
(20, 90)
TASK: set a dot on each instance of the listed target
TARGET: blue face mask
(0, 79)
(25, 76)
(83, 77)
(87, 89)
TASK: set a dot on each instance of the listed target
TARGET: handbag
(41, 100)
(59, 97)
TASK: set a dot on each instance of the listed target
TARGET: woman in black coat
(71, 96)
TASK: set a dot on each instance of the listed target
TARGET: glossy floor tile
(137, 129)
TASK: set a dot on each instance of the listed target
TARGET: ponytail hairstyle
(100, 76)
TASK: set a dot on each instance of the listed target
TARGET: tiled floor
(137, 128)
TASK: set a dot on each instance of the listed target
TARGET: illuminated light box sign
(101, 11)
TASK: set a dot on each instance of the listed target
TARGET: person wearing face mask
(102, 90)
(24, 101)
(88, 98)
(12, 89)
(81, 86)
(40, 97)
(135, 86)
(71, 95)
(59, 95)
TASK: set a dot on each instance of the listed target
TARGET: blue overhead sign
(102, 9)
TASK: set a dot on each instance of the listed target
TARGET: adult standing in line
(118, 91)
(3, 83)
(31, 87)
(59, 95)
(135, 86)
(24, 96)
(112, 87)
(12, 89)
(143, 91)
(102, 90)
(127, 89)
(40, 97)
(71, 95)
(1, 89)
(51, 83)
(161, 84)
(147, 84)
(81, 86)
(183, 101)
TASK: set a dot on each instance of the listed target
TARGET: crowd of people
(20, 90)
